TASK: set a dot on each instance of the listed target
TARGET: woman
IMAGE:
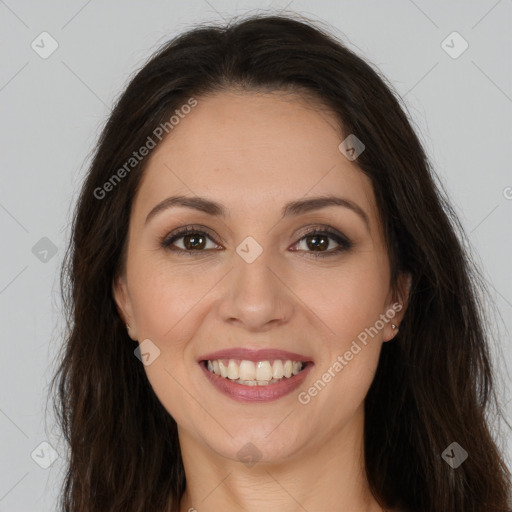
(269, 307)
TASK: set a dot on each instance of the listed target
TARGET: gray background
(53, 109)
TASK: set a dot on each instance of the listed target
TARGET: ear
(124, 304)
(397, 306)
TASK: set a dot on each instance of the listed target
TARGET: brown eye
(189, 240)
(319, 243)
(194, 241)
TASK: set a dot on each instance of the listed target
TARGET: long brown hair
(434, 383)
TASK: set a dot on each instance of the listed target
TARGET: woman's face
(253, 279)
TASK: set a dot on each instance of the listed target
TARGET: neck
(327, 474)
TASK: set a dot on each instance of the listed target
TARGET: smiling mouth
(255, 373)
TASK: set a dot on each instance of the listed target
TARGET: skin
(254, 152)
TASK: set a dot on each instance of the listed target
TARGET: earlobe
(124, 308)
(391, 330)
(398, 306)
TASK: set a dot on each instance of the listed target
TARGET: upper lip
(254, 355)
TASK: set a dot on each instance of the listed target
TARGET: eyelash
(344, 243)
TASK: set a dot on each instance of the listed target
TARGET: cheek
(348, 299)
(349, 302)
(166, 307)
(164, 297)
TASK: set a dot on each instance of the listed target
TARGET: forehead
(249, 149)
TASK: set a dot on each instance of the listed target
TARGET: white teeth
(223, 370)
(247, 370)
(277, 369)
(233, 370)
(249, 373)
(263, 371)
(247, 382)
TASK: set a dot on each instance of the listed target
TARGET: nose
(256, 296)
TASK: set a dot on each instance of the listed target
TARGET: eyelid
(344, 243)
(321, 228)
(178, 233)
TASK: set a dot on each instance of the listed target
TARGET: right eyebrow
(197, 203)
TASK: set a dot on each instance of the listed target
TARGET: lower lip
(268, 393)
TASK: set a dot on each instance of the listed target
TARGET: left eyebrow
(293, 208)
(316, 203)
